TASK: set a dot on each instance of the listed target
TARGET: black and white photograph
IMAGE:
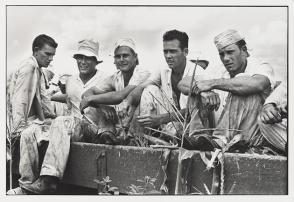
(147, 99)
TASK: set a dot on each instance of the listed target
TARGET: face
(44, 55)
(124, 59)
(233, 58)
(86, 65)
(175, 57)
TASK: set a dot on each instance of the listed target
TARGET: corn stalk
(180, 167)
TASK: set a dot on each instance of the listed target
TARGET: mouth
(122, 65)
(229, 64)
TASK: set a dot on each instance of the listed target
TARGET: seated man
(162, 104)
(28, 103)
(248, 83)
(63, 129)
(273, 118)
(118, 86)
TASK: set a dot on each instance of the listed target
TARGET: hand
(61, 87)
(87, 93)
(202, 86)
(270, 114)
(130, 107)
(109, 113)
(149, 120)
(283, 109)
(134, 96)
(84, 104)
(51, 116)
(210, 100)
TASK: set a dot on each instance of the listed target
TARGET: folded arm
(242, 85)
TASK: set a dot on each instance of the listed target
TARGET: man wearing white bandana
(248, 83)
(64, 129)
(118, 86)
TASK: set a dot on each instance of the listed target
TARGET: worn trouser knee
(275, 134)
(29, 156)
(239, 116)
(152, 101)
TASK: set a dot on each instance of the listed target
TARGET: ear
(244, 51)
(186, 51)
(36, 49)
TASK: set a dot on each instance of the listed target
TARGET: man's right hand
(270, 114)
(87, 93)
(133, 100)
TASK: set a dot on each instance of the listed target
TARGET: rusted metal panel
(243, 174)
(255, 174)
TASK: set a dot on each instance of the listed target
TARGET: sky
(264, 29)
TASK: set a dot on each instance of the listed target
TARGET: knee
(28, 134)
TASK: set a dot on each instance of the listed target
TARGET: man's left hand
(202, 86)
(149, 120)
(84, 104)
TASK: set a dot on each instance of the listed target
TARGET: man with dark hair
(64, 129)
(29, 105)
(248, 83)
(161, 97)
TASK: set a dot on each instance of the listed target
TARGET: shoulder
(27, 66)
(101, 74)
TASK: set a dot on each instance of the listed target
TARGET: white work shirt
(75, 88)
(162, 78)
(116, 82)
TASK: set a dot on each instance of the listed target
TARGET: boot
(43, 185)
(16, 191)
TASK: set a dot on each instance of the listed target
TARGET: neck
(241, 70)
(180, 69)
(127, 76)
(86, 77)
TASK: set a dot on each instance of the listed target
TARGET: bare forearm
(59, 98)
(241, 85)
(110, 98)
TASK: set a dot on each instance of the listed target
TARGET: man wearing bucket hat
(247, 82)
(64, 129)
(121, 83)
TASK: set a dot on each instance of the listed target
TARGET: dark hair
(241, 44)
(43, 39)
(175, 34)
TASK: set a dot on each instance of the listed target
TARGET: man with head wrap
(118, 86)
(247, 83)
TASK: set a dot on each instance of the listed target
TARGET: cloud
(265, 29)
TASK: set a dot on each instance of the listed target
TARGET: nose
(168, 55)
(121, 58)
(226, 57)
(50, 58)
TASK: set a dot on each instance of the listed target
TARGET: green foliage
(107, 189)
(146, 187)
